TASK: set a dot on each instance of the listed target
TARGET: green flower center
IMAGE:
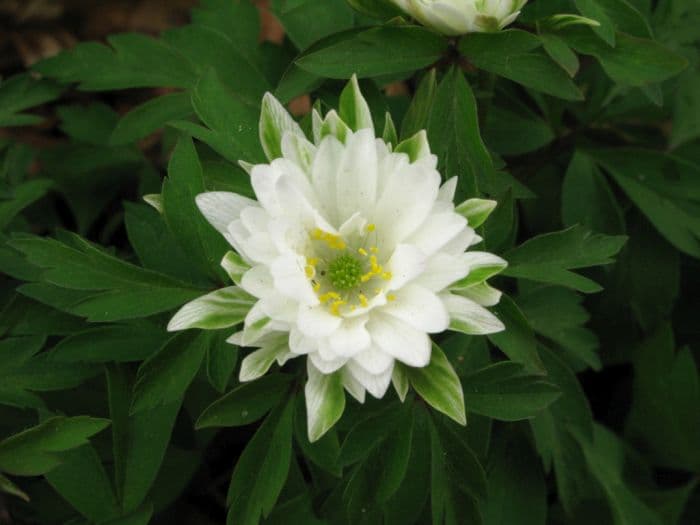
(345, 272)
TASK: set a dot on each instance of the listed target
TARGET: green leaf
(372, 52)
(139, 441)
(557, 314)
(439, 386)
(91, 124)
(517, 341)
(262, 469)
(104, 288)
(38, 449)
(418, 112)
(548, 258)
(164, 377)
(664, 191)
(246, 403)
(516, 483)
(587, 198)
(197, 237)
(81, 468)
(329, 17)
(232, 123)
(513, 54)
(221, 360)
(605, 456)
(7, 487)
(560, 52)
(633, 61)
(396, 455)
(151, 116)
(133, 60)
(503, 391)
(20, 197)
(22, 92)
(516, 132)
(453, 132)
(128, 342)
(458, 481)
(325, 401)
(382, 9)
(553, 429)
(663, 418)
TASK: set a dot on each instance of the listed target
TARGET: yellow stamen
(328, 296)
(387, 276)
(335, 307)
(313, 261)
(317, 287)
(391, 297)
(371, 227)
(362, 252)
(310, 271)
(363, 300)
(374, 249)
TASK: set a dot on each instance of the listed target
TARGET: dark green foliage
(585, 410)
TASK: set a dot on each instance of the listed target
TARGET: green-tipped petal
(439, 386)
(235, 266)
(476, 211)
(467, 317)
(333, 125)
(274, 122)
(399, 378)
(415, 147)
(482, 266)
(325, 401)
(354, 110)
(219, 309)
(390, 135)
(155, 200)
(257, 363)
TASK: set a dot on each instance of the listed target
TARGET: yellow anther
(374, 249)
(362, 252)
(387, 276)
(377, 291)
(310, 271)
(335, 307)
(317, 287)
(317, 233)
(363, 300)
(328, 296)
(313, 261)
(371, 227)
(391, 297)
(366, 277)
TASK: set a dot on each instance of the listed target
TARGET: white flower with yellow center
(458, 17)
(352, 255)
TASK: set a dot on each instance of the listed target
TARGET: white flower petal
(469, 317)
(356, 177)
(442, 270)
(419, 308)
(351, 337)
(288, 274)
(327, 366)
(399, 339)
(317, 321)
(406, 263)
(437, 230)
(375, 384)
(221, 208)
(374, 360)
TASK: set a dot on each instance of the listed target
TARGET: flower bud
(457, 17)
